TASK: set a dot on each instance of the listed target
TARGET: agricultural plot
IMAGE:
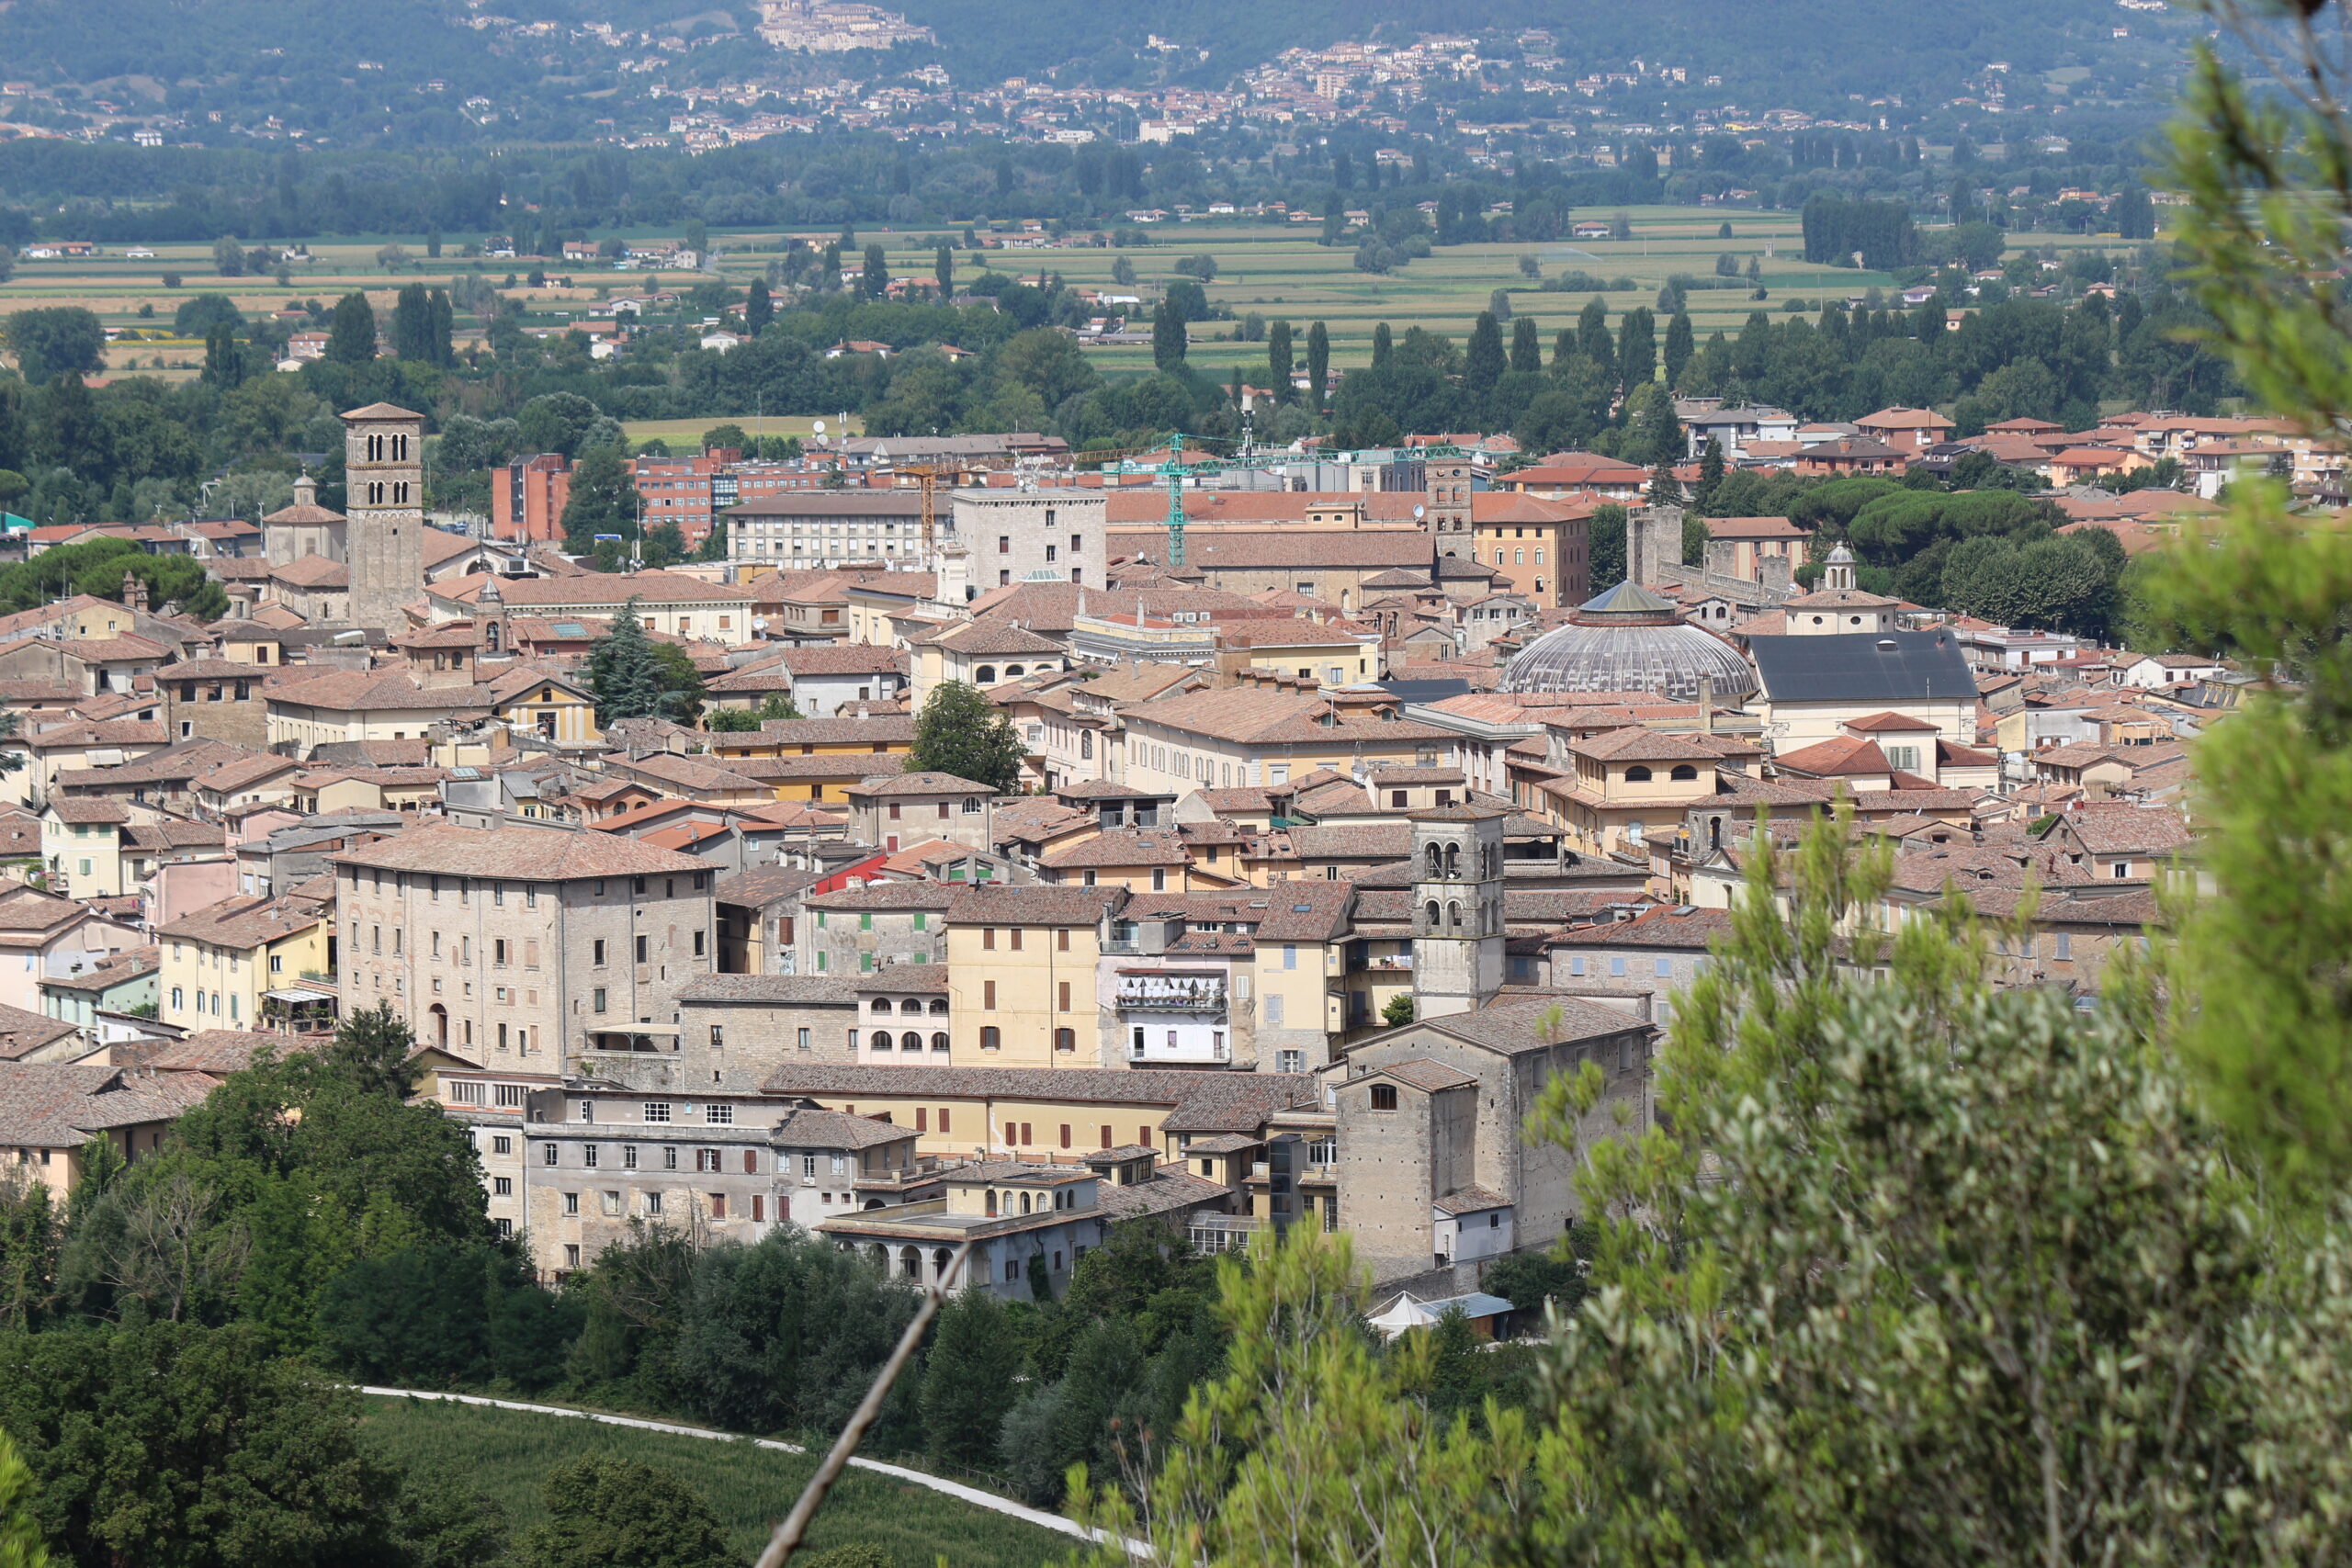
(506, 1454)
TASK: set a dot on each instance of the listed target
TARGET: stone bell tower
(1457, 909)
(383, 472)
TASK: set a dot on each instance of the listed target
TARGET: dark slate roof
(1870, 667)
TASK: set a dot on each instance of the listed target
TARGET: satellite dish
(817, 426)
(1420, 512)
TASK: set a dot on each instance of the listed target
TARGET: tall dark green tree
(960, 732)
(1679, 346)
(1593, 342)
(1384, 344)
(224, 357)
(604, 499)
(875, 280)
(1319, 364)
(351, 332)
(1637, 347)
(970, 1381)
(1168, 341)
(635, 677)
(942, 271)
(1526, 346)
(1711, 476)
(1278, 359)
(759, 308)
(1485, 362)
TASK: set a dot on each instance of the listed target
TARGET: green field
(508, 1454)
(689, 431)
(1276, 271)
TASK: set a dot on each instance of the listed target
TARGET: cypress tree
(1382, 345)
(1526, 345)
(1280, 362)
(759, 310)
(1483, 366)
(351, 332)
(1318, 363)
(1679, 346)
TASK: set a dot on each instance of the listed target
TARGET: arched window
(1433, 914)
(911, 1005)
(991, 1203)
(1454, 916)
(1384, 1097)
(1684, 771)
(1453, 860)
(881, 1039)
(881, 1004)
(939, 1043)
(1014, 671)
(489, 635)
(1637, 774)
(1025, 1202)
(1065, 1039)
(985, 675)
(990, 1038)
(939, 1007)
(910, 1041)
(1437, 860)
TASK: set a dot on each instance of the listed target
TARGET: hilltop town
(1357, 801)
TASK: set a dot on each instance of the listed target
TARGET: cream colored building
(1265, 734)
(526, 944)
(222, 964)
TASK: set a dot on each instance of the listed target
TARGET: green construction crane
(1175, 470)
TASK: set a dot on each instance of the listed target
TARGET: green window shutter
(866, 963)
(919, 921)
(821, 965)
(865, 921)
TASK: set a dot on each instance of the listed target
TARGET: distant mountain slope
(1788, 52)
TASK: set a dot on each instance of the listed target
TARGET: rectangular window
(1617, 965)
(572, 1206)
(547, 1155)
(718, 1115)
(1290, 957)
(1065, 997)
(1664, 968)
(589, 1155)
(596, 952)
(803, 1040)
(628, 1157)
(596, 999)
(644, 948)
(1275, 1012)
(988, 995)
(718, 1205)
(656, 1110)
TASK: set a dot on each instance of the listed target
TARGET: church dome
(1629, 639)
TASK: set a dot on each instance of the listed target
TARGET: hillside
(508, 1454)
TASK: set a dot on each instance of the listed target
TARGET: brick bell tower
(383, 469)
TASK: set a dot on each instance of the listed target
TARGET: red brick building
(528, 498)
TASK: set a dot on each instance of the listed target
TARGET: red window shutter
(942, 1120)
(1012, 1133)
(1065, 1135)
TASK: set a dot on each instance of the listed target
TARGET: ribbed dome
(1629, 639)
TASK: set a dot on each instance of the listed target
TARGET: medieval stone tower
(383, 471)
(1447, 480)
(1457, 909)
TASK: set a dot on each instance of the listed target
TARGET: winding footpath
(971, 1495)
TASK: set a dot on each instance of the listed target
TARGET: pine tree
(604, 499)
(959, 732)
(623, 672)
(1711, 476)
(1637, 347)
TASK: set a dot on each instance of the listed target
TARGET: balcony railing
(1166, 1002)
(1126, 945)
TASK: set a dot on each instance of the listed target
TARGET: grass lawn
(507, 1455)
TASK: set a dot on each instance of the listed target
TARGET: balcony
(1125, 946)
(1168, 999)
